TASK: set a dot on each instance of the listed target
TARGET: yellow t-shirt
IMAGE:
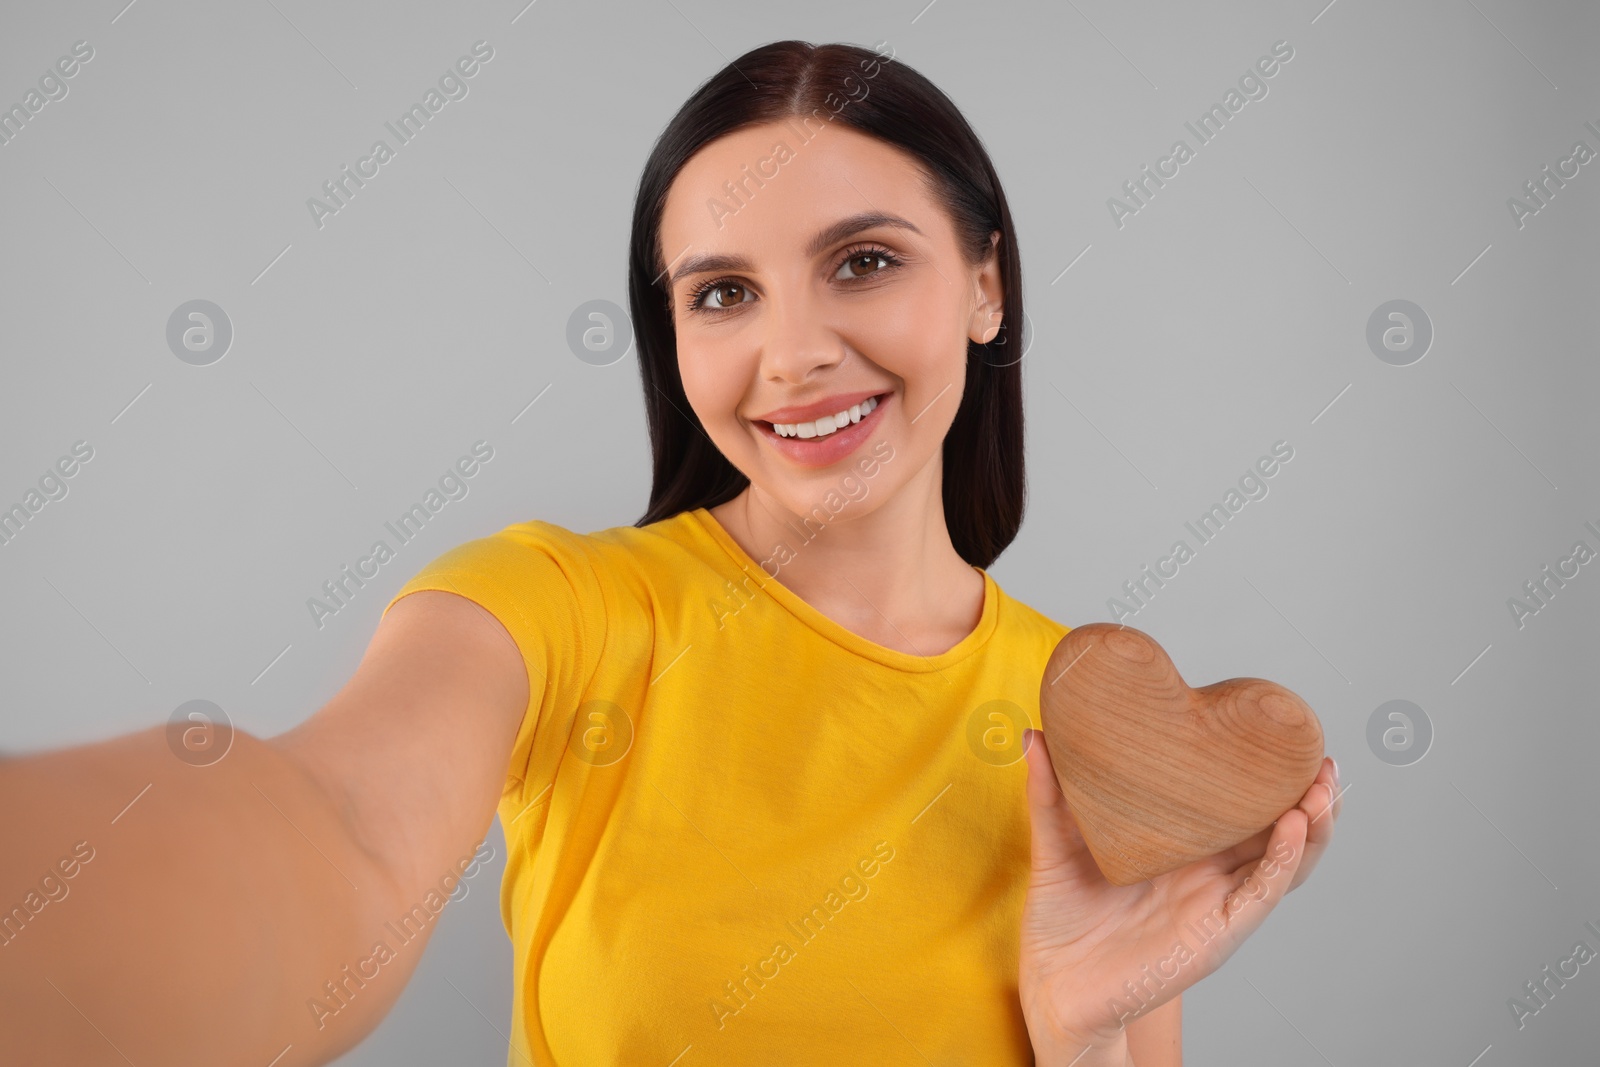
(739, 833)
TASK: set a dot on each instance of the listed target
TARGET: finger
(1318, 839)
(1318, 801)
(1325, 810)
(1055, 834)
(1339, 790)
(1314, 804)
(1258, 886)
(1255, 847)
(1245, 852)
(1324, 778)
(1318, 806)
(1321, 806)
(1286, 850)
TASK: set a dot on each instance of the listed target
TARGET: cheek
(712, 383)
(915, 335)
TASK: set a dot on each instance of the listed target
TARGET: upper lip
(830, 405)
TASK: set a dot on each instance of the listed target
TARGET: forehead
(784, 189)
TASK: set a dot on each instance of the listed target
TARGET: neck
(891, 566)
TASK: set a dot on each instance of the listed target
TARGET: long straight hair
(984, 483)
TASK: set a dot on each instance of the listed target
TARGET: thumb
(1056, 838)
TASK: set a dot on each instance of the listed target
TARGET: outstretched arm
(208, 907)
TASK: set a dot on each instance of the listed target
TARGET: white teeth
(828, 423)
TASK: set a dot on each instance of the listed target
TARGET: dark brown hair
(984, 483)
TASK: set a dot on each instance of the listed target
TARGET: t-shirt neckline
(842, 635)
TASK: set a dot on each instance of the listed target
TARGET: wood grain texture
(1157, 774)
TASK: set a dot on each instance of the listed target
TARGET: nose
(797, 340)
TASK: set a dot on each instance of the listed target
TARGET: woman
(756, 756)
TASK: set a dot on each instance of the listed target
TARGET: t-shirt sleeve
(538, 580)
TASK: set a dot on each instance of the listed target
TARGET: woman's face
(801, 301)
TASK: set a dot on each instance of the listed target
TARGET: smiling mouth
(826, 427)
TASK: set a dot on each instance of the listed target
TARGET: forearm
(215, 904)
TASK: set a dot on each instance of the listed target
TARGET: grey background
(1229, 313)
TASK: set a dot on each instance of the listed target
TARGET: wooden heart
(1157, 774)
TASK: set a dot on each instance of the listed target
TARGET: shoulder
(592, 564)
(1027, 623)
(516, 555)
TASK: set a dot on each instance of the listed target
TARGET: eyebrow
(837, 231)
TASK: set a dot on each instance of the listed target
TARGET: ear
(988, 296)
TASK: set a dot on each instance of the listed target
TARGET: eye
(868, 257)
(865, 257)
(697, 298)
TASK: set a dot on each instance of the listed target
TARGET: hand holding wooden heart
(1157, 774)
